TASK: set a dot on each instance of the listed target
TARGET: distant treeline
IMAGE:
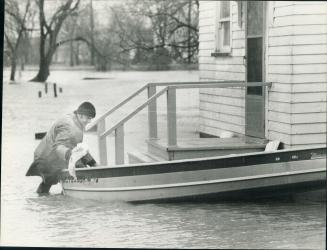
(134, 34)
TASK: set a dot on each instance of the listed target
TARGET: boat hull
(230, 177)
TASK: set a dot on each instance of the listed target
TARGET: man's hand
(88, 160)
(80, 164)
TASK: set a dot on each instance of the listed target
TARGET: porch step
(204, 147)
(141, 157)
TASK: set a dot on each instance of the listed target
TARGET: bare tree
(102, 42)
(17, 15)
(49, 30)
(173, 26)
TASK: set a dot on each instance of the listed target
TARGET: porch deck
(196, 148)
(212, 143)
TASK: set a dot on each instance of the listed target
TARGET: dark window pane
(224, 9)
(254, 64)
(254, 91)
(254, 18)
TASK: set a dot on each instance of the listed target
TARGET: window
(223, 30)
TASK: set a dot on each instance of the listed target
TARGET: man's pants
(50, 175)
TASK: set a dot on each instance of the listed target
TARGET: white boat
(232, 176)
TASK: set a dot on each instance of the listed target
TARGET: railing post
(152, 113)
(102, 143)
(119, 145)
(171, 117)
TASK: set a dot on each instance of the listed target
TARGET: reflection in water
(57, 220)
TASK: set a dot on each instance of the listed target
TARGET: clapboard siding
(211, 60)
(276, 31)
(227, 92)
(221, 108)
(296, 140)
(298, 97)
(298, 108)
(213, 130)
(222, 103)
(299, 69)
(298, 59)
(238, 34)
(309, 118)
(206, 5)
(307, 49)
(232, 101)
(298, 39)
(206, 29)
(223, 68)
(206, 74)
(206, 37)
(207, 45)
(296, 64)
(206, 22)
(223, 126)
(298, 87)
(238, 52)
(291, 78)
(234, 119)
(300, 19)
(297, 9)
(298, 128)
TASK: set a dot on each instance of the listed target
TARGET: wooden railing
(151, 102)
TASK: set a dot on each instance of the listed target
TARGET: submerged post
(102, 142)
(119, 145)
(171, 117)
(55, 90)
(152, 113)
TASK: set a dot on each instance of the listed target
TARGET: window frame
(219, 32)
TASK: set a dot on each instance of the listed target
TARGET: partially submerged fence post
(152, 113)
(171, 116)
(102, 142)
(119, 145)
(55, 90)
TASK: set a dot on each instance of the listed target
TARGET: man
(53, 153)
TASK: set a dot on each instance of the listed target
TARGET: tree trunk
(43, 73)
(22, 64)
(92, 34)
(189, 33)
(13, 69)
(77, 55)
(71, 51)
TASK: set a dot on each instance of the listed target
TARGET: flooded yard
(58, 221)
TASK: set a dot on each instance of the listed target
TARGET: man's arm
(64, 141)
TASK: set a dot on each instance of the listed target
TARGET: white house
(275, 41)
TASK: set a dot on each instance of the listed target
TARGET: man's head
(85, 112)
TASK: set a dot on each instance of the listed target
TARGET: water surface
(59, 221)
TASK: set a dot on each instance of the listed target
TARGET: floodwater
(59, 221)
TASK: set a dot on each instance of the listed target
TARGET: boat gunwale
(200, 159)
(220, 162)
(198, 183)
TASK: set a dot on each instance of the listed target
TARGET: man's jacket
(49, 156)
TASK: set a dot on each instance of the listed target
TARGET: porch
(172, 147)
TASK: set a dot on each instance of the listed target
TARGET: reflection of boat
(259, 173)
